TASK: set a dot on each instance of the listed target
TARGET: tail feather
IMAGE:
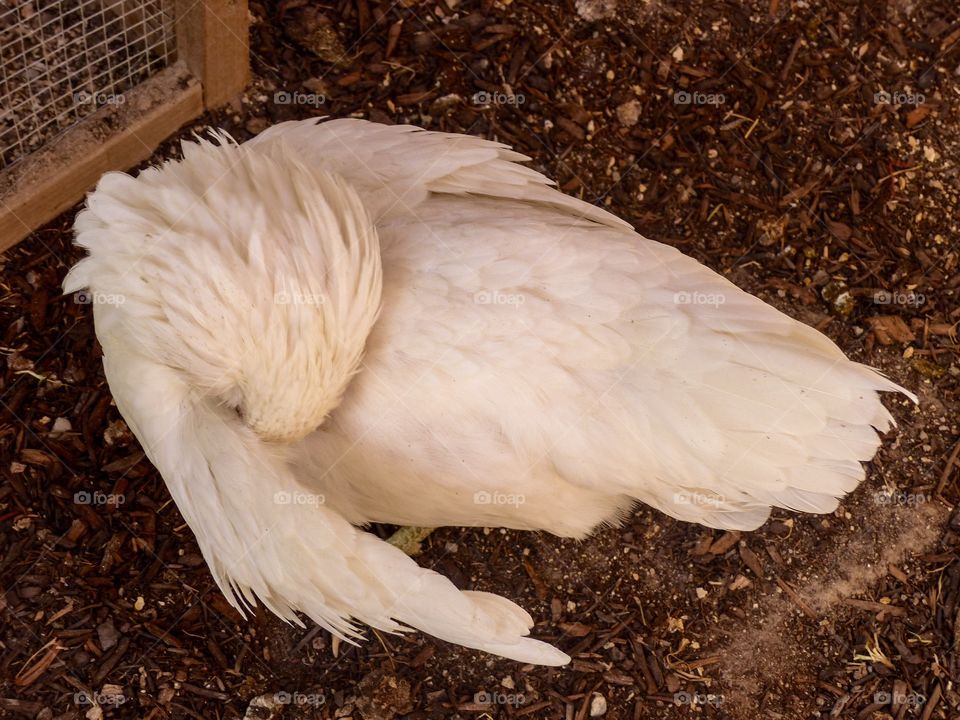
(756, 411)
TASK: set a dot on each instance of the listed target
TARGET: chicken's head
(253, 276)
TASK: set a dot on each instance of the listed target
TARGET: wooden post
(212, 39)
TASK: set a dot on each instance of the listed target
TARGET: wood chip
(575, 629)
(34, 667)
(751, 560)
(917, 115)
(725, 542)
(890, 329)
(796, 599)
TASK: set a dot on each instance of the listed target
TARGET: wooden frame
(212, 67)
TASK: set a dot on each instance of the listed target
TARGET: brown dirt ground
(799, 186)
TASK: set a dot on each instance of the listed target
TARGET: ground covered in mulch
(809, 151)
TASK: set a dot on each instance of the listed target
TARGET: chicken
(341, 323)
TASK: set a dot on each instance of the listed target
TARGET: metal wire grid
(60, 60)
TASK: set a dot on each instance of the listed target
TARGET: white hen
(342, 323)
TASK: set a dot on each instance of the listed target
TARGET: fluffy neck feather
(261, 277)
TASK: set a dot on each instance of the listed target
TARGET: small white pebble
(628, 114)
(598, 705)
(61, 424)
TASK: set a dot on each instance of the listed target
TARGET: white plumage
(342, 323)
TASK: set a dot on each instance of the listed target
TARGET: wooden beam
(213, 40)
(52, 179)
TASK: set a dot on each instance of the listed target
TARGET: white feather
(480, 350)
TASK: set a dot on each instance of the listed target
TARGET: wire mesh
(61, 60)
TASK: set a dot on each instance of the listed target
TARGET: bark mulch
(808, 151)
